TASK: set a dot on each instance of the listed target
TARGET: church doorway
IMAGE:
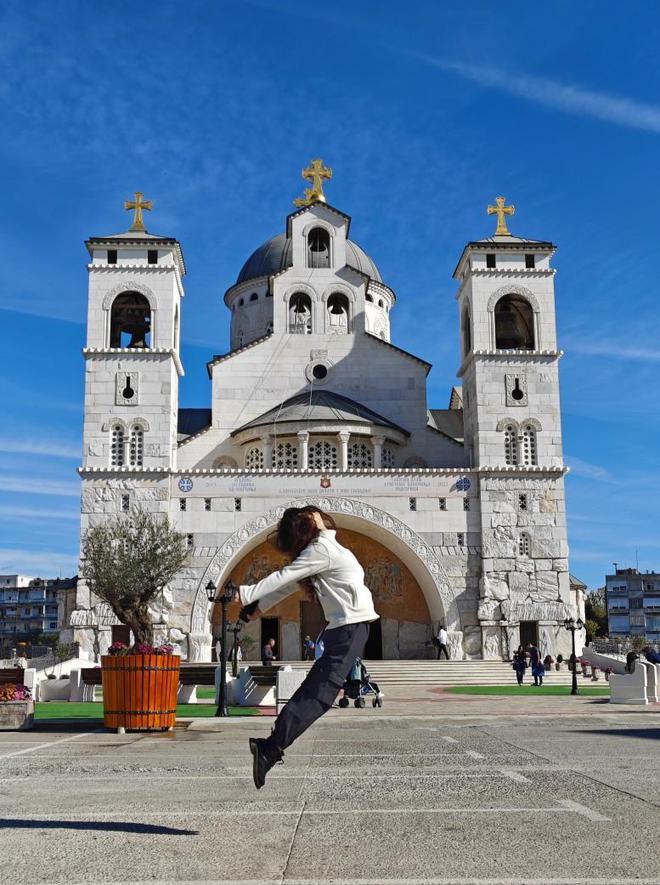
(373, 650)
(529, 632)
(270, 629)
(403, 632)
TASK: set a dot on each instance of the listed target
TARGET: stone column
(267, 441)
(378, 450)
(344, 437)
(303, 449)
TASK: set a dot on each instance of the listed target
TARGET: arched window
(224, 463)
(360, 455)
(387, 457)
(370, 297)
(254, 459)
(117, 446)
(380, 302)
(524, 544)
(254, 297)
(322, 456)
(528, 447)
(514, 324)
(338, 313)
(269, 327)
(318, 248)
(300, 314)
(136, 446)
(466, 330)
(285, 456)
(510, 445)
(130, 321)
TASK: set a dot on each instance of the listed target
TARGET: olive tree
(127, 561)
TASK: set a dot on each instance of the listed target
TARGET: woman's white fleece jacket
(337, 577)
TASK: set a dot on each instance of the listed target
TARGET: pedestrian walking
(268, 653)
(309, 536)
(441, 642)
(538, 670)
(308, 649)
(520, 663)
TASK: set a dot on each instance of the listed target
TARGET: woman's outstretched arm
(282, 583)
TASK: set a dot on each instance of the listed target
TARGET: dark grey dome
(275, 255)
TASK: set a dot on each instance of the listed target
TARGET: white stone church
(456, 513)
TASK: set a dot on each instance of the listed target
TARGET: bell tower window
(130, 321)
(112, 256)
(528, 440)
(318, 248)
(117, 446)
(466, 327)
(338, 313)
(152, 256)
(136, 446)
(514, 324)
(300, 314)
(510, 445)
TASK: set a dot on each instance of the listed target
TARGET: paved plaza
(448, 790)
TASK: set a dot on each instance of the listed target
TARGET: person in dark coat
(520, 663)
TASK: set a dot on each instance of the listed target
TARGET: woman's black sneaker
(263, 759)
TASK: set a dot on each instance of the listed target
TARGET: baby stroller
(358, 685)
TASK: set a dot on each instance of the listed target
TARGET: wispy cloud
(613, 350)
(28, 485)
(34, 514)
(587, 470)
(568, 98)
(44, 563)
(34, 447)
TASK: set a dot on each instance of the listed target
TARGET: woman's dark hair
(297, 528)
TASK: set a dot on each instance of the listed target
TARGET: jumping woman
(337, 578)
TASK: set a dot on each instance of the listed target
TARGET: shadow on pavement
(105, 826)
(651, 734)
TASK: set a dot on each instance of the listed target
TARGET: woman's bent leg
(317, 693)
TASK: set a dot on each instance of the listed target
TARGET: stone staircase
(447, 673)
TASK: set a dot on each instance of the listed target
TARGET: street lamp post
(573, 625)
(224, 599)
(236, 629)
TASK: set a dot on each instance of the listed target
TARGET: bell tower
(132, 363)
(510, 374)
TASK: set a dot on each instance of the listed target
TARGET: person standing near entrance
(535, 662)
(308, 536)
(520, 663)
(441, 642)
(268, 653)
(308, 649)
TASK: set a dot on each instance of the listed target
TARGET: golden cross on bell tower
(138, 204)
(315, 173)
(501, 211)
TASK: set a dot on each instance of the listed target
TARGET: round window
(319, 371)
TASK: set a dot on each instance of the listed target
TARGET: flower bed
(16, 708)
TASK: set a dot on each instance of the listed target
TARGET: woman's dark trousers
(342, 645)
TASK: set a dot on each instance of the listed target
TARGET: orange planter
(140, 691)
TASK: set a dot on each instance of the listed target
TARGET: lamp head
(211, 590)
(579, 624)
(569, 623)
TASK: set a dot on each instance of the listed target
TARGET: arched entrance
(404, 630)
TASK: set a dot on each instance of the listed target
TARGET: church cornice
(273, 471)
(221, 357)
(507, 355)
(136, 352)
(417, 359)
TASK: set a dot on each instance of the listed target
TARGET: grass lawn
(205, 692)
(523, 690)
(94, 711)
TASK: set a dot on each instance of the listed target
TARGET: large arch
(412, 550)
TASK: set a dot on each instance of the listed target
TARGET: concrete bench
(289, 680)
(256, 686)
(631, 688)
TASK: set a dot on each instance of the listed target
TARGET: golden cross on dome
(138, 204)
(501, 211)
(315, 173)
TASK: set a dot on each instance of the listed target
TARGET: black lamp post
(236, 630)
(226, 597)
(573, 625)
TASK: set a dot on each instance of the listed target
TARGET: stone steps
(448, 673)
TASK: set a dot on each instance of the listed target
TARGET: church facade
(457, 514)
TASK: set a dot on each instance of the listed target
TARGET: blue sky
(425, 111)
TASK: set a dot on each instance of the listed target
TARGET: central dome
(275, 255)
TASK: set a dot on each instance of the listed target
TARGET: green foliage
(595, 613)
(127, 561)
